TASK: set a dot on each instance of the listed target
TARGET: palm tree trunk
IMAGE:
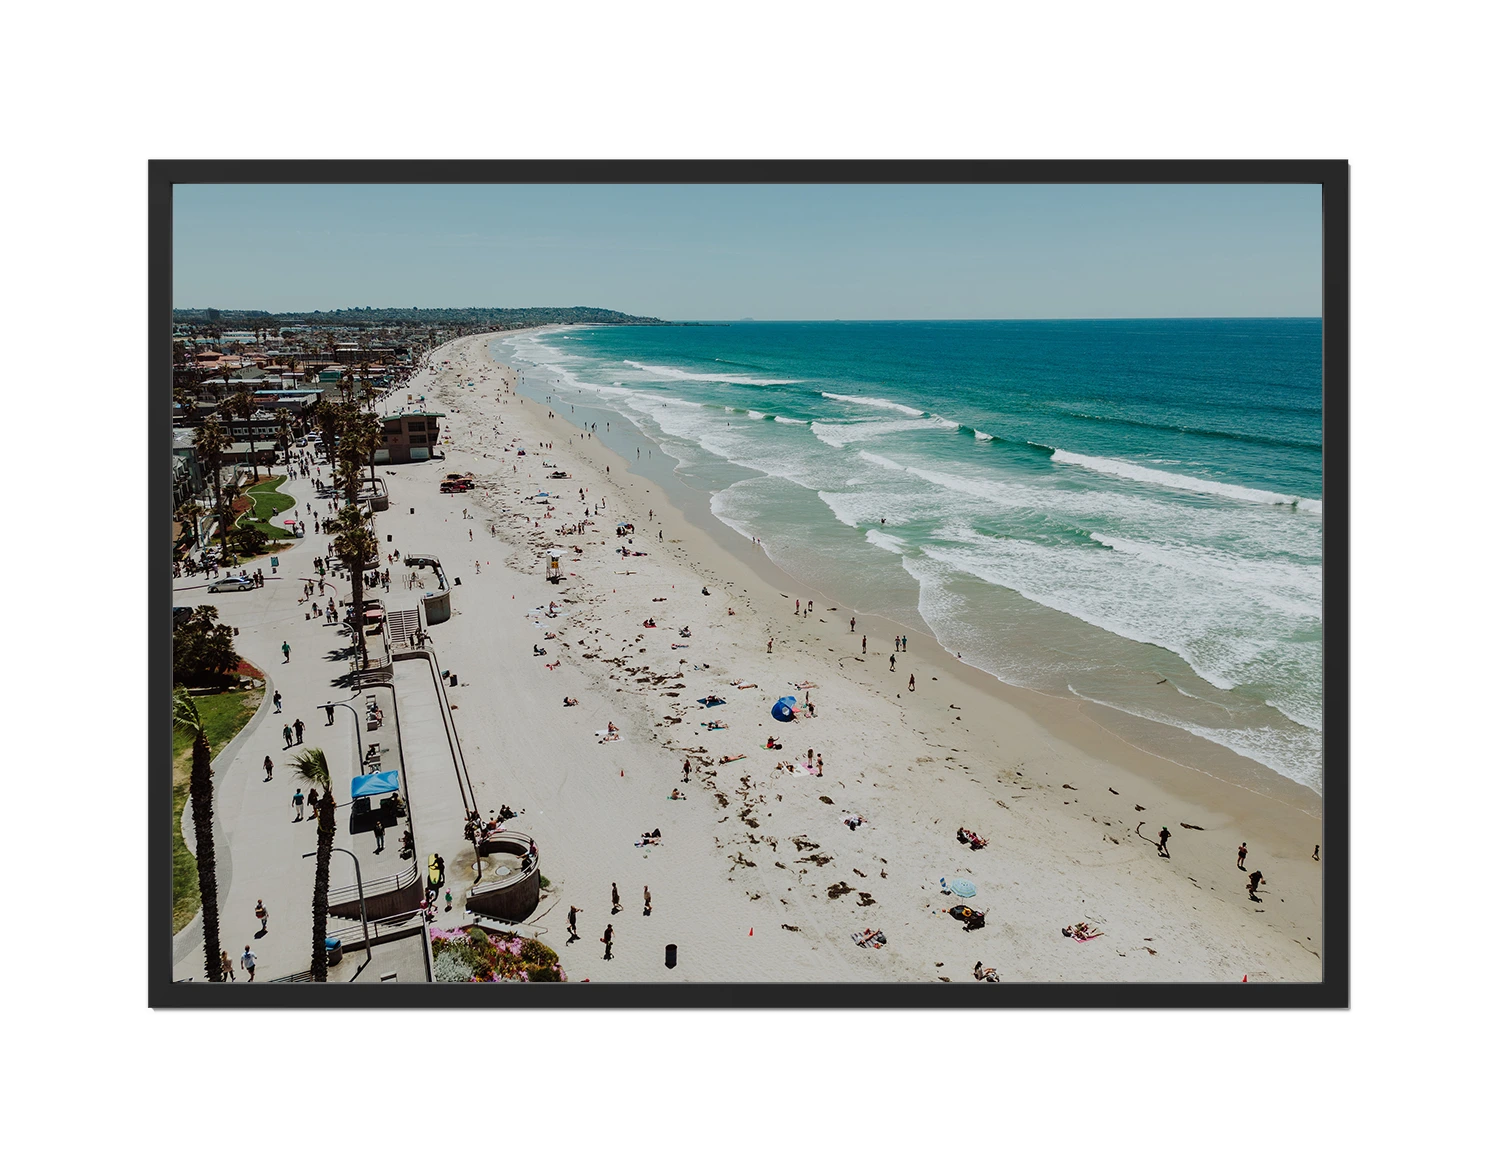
(327, 826)
(201, 794)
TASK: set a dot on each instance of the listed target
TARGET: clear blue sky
(770, 252)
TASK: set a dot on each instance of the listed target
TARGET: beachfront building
(410, 437)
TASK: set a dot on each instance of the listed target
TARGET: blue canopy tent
(785, 709)
(375, 784)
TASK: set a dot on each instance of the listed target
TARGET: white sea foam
(864, 400)
(981, 437)
(1295, 756)
(796, 422)
(673, 374)
(885, 540)
(1186, 483)
(842, 434)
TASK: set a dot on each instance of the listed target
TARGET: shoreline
(1039, 749)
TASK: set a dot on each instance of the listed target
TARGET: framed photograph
(907, 584)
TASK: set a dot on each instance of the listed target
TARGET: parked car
(231, 585)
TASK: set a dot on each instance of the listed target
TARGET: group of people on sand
(970, 838)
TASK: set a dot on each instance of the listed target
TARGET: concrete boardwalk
(259, 843)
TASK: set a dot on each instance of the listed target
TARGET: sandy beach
(758, 874)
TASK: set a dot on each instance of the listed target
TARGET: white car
(231, 585)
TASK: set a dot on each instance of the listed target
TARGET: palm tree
(284, 431)
(243, 404)
(312, 766)
(189, 512)
(356, 545)
(212, 442)
(201, 795)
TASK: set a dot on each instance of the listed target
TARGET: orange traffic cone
(1246, 979)
(752, 932)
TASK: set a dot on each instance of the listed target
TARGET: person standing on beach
(572, 925)
(1161, 843)
(1315, 853)
(768, 644)
(911, 683)
(820, 763)
(646, 913)
(864, 644)
(1240, 864)
(851, 625)
(614, 898)
(687, 767)
(903, 643)
(1256, 879)
(609, 941)
(893, 664)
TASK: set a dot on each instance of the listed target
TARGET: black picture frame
(1332, 176)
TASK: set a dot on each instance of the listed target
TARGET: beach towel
(712, 702)
(811, 771)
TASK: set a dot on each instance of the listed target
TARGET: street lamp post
(358, 739)
(359, 884)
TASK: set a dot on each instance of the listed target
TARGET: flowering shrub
(476, 954)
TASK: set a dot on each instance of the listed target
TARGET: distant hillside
(394, 318)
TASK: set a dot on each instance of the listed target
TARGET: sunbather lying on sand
(854, 822)
(970, 838)
(986, 974)
(567, 702)
(870, 938)
(1082, 931)
(731, 759)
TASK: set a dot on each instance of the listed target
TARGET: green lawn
(267, 503)
(223, 716)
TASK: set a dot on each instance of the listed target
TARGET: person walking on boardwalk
(263, 916)
(247, 961)
(297, 802)
(276, 698)
(609, 941)
(298, 726)
(286, 734)
(572, 925)
(614, 898)
(379, 836)
(1240, 864)
(1161, 843)
(226, 967)
(286, 652)
(268, 766)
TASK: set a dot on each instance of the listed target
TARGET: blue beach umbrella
(785, 709)
(960, 886)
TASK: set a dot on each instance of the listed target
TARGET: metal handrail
(383, 885)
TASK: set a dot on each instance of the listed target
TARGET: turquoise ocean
(1129, 512)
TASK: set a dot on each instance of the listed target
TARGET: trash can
(671, 954)
(335, 949)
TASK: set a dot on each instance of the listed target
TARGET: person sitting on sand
(611, 728)
(772, 744)
(731, 611)
(986, 974)
(716, 725)
(685, 632)
(676, 795)
(649, 624)
(538, 651)
(854, 822)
